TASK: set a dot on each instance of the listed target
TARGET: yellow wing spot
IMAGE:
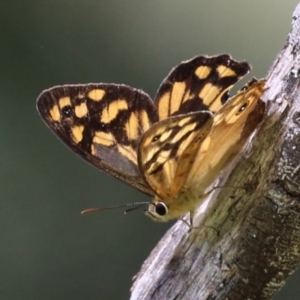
(128, 152)
(147, 156)
(183, 131)
(77, 133)
(131, 127)
(162, 158)
(218, 118)
(184, 121)
(169, 170)
(186, 97)
(209, 93)
(104, 138)
(96, 94)
(183, 146)
(54, 113)
(145, 120)
(225, 71)
(163, 108)
(81, 110)
(165, 136)
(104, 117)
(177, 95)
(112, 110)
(65, 101)
(93, 151)
(202, 72)
(205, 145)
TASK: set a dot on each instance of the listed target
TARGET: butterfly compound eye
(161, 209)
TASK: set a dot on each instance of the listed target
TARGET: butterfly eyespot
(161, 209)
(67, 111)
(156, 138)
(225, 97)
(242, 108)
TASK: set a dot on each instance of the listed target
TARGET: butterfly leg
(192, 214)
(191, 226)
(187, 223)
(221, 187)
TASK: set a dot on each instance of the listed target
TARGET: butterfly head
(162, 211)
(158, 211)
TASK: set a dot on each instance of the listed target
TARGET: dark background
(47, 249)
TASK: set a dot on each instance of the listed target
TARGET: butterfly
(172, 148)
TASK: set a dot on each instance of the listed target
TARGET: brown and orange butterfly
(172, 148)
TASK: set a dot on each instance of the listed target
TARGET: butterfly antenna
(136, 204)
(134, 208)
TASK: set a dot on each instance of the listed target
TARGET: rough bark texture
(257, 242)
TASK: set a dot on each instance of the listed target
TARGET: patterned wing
(164, 145)
(185, 154)
(232, 126)
(102, 123)
(201, 83)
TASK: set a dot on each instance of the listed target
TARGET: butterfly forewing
(201, 83)
(102, 123)
(162, 147)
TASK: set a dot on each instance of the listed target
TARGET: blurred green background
(47, 249)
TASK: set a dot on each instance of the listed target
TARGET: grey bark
(255, 245)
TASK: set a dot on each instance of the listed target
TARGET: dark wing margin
(102, 123)
(201, 83)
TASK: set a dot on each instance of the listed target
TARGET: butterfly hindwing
(102, 123)
(232, 126)
(201, 83)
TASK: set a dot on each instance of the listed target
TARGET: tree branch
(256, 245)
